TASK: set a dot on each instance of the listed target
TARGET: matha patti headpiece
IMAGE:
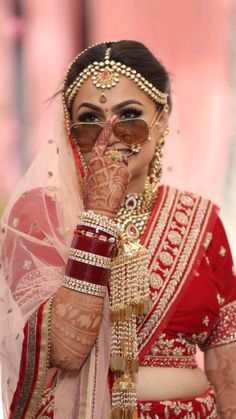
(105, 75)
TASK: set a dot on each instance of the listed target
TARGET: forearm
(75, 323)
(78, 305)
(220, 368)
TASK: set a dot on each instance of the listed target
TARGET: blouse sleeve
(220, 259)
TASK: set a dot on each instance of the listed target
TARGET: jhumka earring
(155, 172)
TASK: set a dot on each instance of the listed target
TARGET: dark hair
(131, 53)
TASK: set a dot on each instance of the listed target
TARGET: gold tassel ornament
(129, 292)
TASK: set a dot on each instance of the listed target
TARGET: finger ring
(115, 155)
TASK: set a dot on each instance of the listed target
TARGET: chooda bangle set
(89, 263)
(102, 254)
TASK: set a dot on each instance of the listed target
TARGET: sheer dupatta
(36, 232)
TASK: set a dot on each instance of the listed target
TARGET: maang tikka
(105, 75)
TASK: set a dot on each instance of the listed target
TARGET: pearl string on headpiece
(105, 75)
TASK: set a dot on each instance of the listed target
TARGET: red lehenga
(193, 292)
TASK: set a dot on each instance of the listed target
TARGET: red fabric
(215, 278)
(98, 247)
(176, 220)
(196, 316)
(86, 272)
(201, 407)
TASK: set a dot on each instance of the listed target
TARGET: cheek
(143, 158)
(148, 151)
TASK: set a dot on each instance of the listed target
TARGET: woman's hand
(106, 180)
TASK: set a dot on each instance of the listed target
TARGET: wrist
(93, 247)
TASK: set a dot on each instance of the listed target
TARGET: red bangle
(87, 272)
(98, 247)
(94, 234)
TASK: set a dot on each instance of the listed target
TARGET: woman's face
(125, 100)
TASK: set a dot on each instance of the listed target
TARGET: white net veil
(36, 232)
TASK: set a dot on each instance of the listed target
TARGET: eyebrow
(114, 108)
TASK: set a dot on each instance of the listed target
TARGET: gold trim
(84, 376)
(43, 359)
(30, 364)
(225, 330)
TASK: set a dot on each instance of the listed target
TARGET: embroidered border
(169, 361)
(34, 364)
(225, 329)
(200, 407)
(175, 241)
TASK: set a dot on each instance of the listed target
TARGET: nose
(113, 139)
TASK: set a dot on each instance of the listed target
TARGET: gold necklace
(134, 213)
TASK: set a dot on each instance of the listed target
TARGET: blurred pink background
(194, 39)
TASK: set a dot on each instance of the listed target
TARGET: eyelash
(88, 117)
(131, 110)
(93, 117)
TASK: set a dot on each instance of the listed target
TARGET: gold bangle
(84, 287)
(101, 222)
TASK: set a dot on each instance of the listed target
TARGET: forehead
(124, 90)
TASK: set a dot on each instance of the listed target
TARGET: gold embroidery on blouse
(156, 280)
(225, 330)
(205, 321)
(220, 299)
(222, 251)
(208, 239)
(187, 201)
(207, 260)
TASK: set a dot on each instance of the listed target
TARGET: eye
(88, 117)
(130, 113)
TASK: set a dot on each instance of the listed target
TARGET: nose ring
(114, 155)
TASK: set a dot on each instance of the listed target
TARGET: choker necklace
(134, 213)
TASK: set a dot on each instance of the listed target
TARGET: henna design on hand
(76, 320)
(106, 180)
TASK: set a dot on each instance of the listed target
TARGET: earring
(166, 131)
(155, 170)
(135, 148)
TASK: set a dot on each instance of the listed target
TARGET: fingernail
(113, 118)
